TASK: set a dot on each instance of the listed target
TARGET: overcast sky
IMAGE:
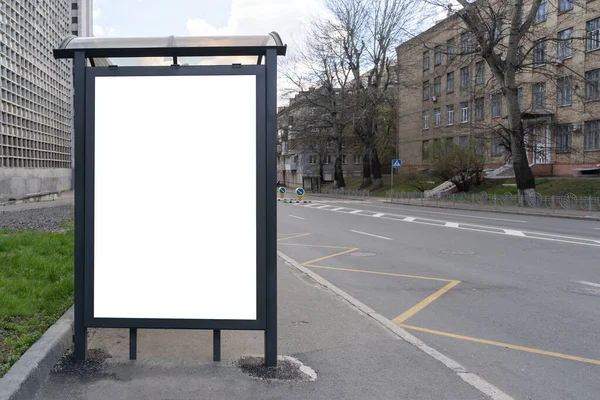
(126, 18)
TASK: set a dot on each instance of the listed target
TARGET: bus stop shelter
(207, 111)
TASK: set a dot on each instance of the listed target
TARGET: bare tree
(463, 166)
(323, 79)
(367, 32)
(506, 38)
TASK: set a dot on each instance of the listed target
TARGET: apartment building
(298, 150)
(36, 102)
(460, 103)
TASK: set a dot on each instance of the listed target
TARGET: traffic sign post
(299, 193)
(396, 164)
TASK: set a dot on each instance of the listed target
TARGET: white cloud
(289, 18)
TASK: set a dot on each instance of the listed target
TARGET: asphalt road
(513, 298)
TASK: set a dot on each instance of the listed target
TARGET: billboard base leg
(217, 345)
(132, 343)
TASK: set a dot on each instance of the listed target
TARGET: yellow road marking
(294, 237)
(377, 273)
(316, 245)
(415, 309)
(506, 345)
(331, 256)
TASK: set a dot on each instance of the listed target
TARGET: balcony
(290, 167)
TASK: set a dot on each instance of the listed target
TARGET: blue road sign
(300, 192)
(282, 190)
(396, 163)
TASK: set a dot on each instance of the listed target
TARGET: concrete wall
(16, 183)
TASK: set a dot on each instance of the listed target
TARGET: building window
(479, 146)
(426, 90)
(563, 138)
(479, 103)
(538, 93)
(465, 79)
(425, 150)
(565, 43)
(344, 159)
(437, 55)
(356, 160)
(437, 86)
(73, 20)
(520, 98)
(479, 73)
(74, 6)
(425, 119)
(463, 141)
(450, 49)
(312, 159)
(496, 105)
(449, 144)
(592, 85)
(541, 12)
(464, 112)
(520, 58)
(327, 159)
(565, 5)
(496, 146)
(437, 117)
(565, 92)
(593, 34)
(450, 114)
(539, 52)
(465, 41)
(592, 135)
(450, 82)
(426, 60)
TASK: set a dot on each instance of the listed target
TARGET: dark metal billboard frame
(266, 135)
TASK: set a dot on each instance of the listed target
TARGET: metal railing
(568, 202)
(346, 194)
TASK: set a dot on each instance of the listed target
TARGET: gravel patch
(46, 219)
(287, 369)
(92, 367)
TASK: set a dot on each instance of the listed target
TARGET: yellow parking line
(294, 237)
(506, 345)
(415, 309)
(376, 272)
(331, 256)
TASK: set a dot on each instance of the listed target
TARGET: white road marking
(514, 233)
(475, 228)
(446, 213)
(598, 229)
(321, 207)
(370, 234)
(589, 283)
(294, 216)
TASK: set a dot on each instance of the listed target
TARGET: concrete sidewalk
(354, 356)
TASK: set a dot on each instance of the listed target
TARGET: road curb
(471, 378)
(22, 381)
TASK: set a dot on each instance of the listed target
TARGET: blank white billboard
(175, 197)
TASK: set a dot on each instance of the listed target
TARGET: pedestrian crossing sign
(396, 163)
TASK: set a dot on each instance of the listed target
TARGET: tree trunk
(366, 167)
(523, 175)
(338, 174)
(321, 176)
(376, 169)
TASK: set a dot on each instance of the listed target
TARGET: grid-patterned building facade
(36, 109)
